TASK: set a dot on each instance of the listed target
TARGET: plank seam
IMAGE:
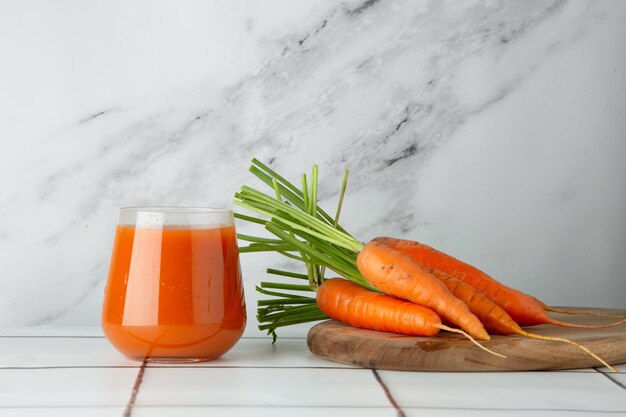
(394, 403)
(133, 394)
(615, 381)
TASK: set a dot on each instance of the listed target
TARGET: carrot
(397, 274)
(352, 304)
(494, 318)
(522, 308)
(561, 311)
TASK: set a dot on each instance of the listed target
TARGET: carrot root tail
(459, 331)
(585, 326)
(578, 345)
(590, 313)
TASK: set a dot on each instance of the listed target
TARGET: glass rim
(174, 209)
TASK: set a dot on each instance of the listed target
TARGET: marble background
(495, 130)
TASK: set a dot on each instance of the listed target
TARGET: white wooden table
(75, 372)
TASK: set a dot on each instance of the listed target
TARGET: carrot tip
(590, 313)
(571, 342)
(584, 326)
(459, 331)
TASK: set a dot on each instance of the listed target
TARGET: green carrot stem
(327, 254)
(308, 222)
(294, 199)
(294, 321)
(286, 273)
(264, 315)
(311, 251)
(263, 311)
(277, 190)
(285, 309)
(289, 316)
(335, 253)
(262, 209)
(277, 318)
(295, 257)
(315, 280)
(342, 193)
(341, 241)
(313, 199)
(249, 218)
(288, 310)
(311, 268)
(295, 192)
(305, 192)
(281, 286)
(257, 239)
(252, 206)
(289, 301)
(275, 175)
(336, 265)
(278, 294)
(308, 309)
(262, 247)
(277, 308)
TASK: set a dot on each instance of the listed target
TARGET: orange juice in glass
(174, 291)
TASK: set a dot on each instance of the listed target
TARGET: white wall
(495, 131)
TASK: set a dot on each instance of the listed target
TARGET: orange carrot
(494, 318)
(522, 308)
(352, 304)
(396, 274)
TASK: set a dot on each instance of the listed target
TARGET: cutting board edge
(355, 352)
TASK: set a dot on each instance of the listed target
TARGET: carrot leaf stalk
(342, 194)
(290, 212)
(290, 192)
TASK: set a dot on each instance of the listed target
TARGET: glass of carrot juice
(174, 291)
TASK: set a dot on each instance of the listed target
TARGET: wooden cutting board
(341, 343)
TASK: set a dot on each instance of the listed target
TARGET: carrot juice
(174, 291)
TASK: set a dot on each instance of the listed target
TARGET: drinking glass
(174, 291)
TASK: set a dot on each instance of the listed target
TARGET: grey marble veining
(403, 93)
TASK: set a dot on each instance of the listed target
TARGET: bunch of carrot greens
(392, 284)
(292, 213)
